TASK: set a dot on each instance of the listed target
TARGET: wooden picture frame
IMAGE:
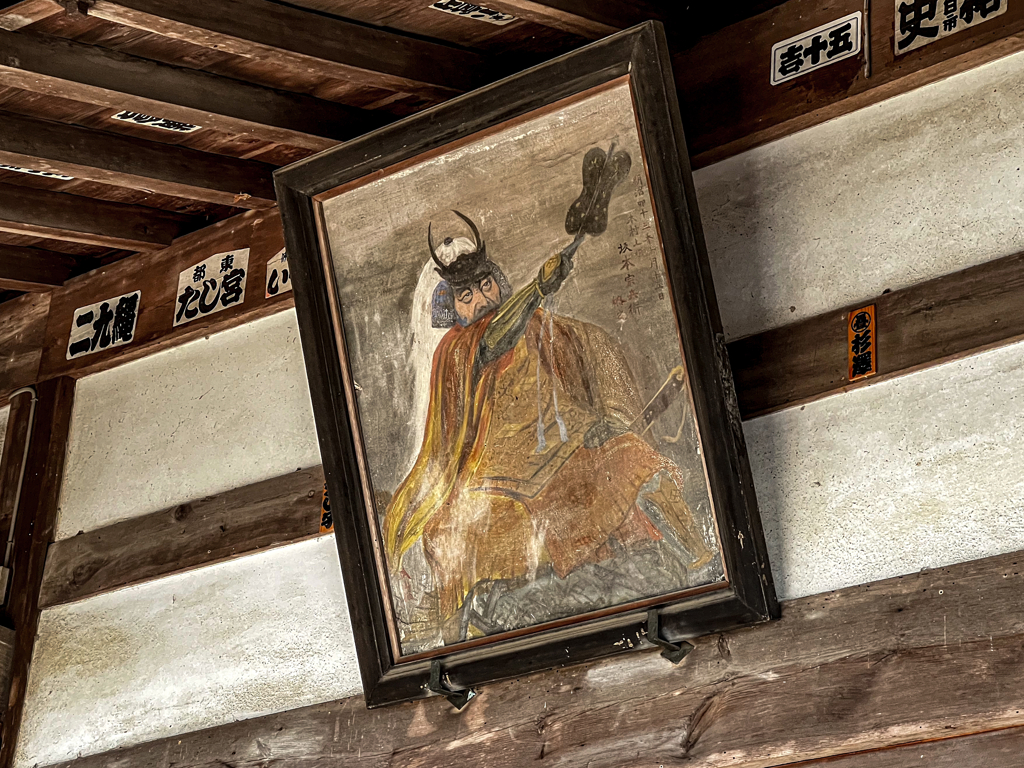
(329, 200)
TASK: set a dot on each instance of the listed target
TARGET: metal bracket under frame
(671, 651)
(457, 699)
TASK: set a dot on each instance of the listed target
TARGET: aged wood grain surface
(927, 656)
(12, 461)
(926, 324)
(266, 514)
(22, 335)
(111, 80)
(991, 749)
(259, 29)
(78, 219)
(33, 531)
(33, 269)
(15, 15)
(130, 162)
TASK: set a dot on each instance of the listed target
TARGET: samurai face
(471, 284)
(474, 301)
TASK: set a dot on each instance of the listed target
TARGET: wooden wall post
(33, 532)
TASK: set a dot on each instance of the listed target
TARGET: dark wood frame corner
(748, 597)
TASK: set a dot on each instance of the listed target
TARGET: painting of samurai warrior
(522, 395)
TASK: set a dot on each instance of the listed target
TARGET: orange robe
(492, 500)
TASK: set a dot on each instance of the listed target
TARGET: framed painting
(522, 394)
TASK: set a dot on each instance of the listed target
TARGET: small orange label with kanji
(861, 344)
(326, 519)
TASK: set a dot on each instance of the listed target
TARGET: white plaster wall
(218, 413)
(239, 639)
(914, 187)
(916, 472)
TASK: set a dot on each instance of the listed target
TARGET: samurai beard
(481, 312)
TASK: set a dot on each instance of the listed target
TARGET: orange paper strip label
(861, 343)
(326, 519)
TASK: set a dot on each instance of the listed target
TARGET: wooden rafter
(15, 14)
(586, 19)
(33, 269)
(318, 42)
(60, 216)
(116, 81)
(126, 161)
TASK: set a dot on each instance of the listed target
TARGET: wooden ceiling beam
(126, 161)
(586, 18)
(105, 78)
(316, 42)
(15, 14)
(33, 269)
(76, 219)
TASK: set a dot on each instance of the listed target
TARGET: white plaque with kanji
(836, 41)
(919, 22)
(279, 278)
(105, 324)
(211, 285)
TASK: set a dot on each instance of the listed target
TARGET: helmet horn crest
(476, 232)
(430, 242)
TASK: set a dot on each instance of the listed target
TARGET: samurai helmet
(466, 268)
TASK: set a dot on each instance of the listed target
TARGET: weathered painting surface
(522, 396)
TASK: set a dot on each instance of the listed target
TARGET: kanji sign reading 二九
(105, 324)
(279, 279)
(824, 45)
(861, 344)
(919, 22)
(211, 285)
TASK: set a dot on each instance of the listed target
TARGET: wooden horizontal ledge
(933, 322)
(270, 513)
(934, 655)
(77, 219)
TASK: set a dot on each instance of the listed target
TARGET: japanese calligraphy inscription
(127, 116)
(33, 172)
(471, 11)
(279, 278)
(824, 45)
(919, 22)
(211, 285)
(861, 343)
(103, 325)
